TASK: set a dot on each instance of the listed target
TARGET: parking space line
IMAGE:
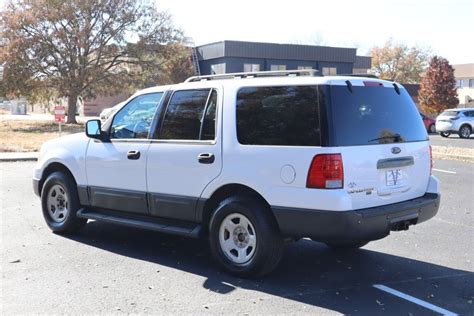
(414, 300)
(445, 171)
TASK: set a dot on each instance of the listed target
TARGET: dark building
(236, 56)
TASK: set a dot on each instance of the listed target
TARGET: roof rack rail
(359, 75)
(257, 74)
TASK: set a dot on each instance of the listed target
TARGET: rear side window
(190, 115)
(284, 115)
(450, 113)
(374, 115)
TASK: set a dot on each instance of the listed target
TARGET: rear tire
(445, 134)
(60, 202)
(432, 129)
(244, 237)
(465, 131)
(347, 246)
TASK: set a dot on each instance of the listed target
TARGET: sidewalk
(12, 156)
(40, 117)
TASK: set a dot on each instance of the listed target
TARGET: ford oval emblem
(396, 150)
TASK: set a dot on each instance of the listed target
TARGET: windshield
(374, 115)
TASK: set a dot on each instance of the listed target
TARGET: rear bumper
(446, 127)
(359, 225)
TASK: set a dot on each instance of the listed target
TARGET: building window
(305, 67)
(471, 83)
(329, 71)
(251, 67)
(217, 69)
(459, 83)
(277, 67)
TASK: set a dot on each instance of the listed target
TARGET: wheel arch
(469, 124)
(208, 206)
(53, 167)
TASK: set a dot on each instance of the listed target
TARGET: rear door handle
(133, 155)
(206, 158)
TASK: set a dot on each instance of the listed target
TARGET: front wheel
(445, 134)
(245, 238)
(465, 131)
(60, 202)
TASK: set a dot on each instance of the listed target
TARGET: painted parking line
(414, 300)
(445, 171)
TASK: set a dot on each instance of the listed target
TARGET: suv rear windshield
(373, 115)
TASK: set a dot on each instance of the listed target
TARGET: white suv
(460, 121)
(250, 161)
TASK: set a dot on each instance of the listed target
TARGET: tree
(438, 87)
(398, 62)
(81, 47)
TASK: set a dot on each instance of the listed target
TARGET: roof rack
(257, 74)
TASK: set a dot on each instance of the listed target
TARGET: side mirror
(93, 129)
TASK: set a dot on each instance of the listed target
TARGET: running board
(144, 222)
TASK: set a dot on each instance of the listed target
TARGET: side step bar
(144, 222)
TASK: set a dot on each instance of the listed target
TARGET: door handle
(133, 155)
(206, 158)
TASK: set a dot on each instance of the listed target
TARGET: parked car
(106, 113)
(459, 121)
(430, 124)
(249, 163)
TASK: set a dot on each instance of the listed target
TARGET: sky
(446, 27)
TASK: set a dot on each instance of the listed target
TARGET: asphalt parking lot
(113, 269)
(452, 141)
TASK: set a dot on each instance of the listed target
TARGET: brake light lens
(373, 84)
(431, 160)
(326, 172)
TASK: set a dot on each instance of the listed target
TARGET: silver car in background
(459, 121)
(106, 113)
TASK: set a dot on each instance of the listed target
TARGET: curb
(453, 157)
(13, 159)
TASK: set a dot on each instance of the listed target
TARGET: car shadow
(309, 272)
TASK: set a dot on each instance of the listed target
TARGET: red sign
(59, 114)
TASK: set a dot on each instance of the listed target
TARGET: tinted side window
(286, 116)
(184, 115)
(135, 118)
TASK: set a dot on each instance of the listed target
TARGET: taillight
(431, 160)
(373, 84)
(326, 172)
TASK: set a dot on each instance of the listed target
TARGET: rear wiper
(396, 137)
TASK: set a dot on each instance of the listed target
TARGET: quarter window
(190, 115)
(134, 119)
(285, 116)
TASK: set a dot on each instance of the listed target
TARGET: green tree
(398, 62)
(81, 47)
(438, 87)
